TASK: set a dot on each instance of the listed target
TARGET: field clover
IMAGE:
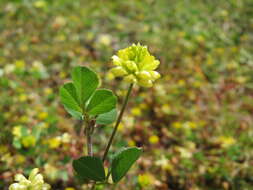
(84, 101)
(136, 65)
(34, 182)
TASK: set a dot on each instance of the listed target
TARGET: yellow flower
(200, 39)
(17, 131)
(8, 158)
(28, 141)
(143, 106)
(19, 159)
(22, 97)
(241, 79)
(131, 143)
(226, 141)
(184, 153)
(145, 180)
(20, 64)
(3, 149)
(105, 39)
(181, 34)
(177, 125)
(63, 74)
(190, 124)
(24, 119)
(153, 139)
(224, 13)
(136, 65)
(48, 91)
(65, 138)
(121, 127)
(42, 115)
(220, 51)
(51, 172)
(164, 163)
(34, 182)
(166, 108)
(136, 111)
(181, 82)
(40, 4)
(59, 21)
(54, 142)
(69, 188)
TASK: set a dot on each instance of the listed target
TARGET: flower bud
(116, 60)
(14, 186)
(118, 71)
(38, 179)
(46, 187)
(154, 75)
(145, 83)
(151, 65)
(131, 66)
(130, 79)
(33, 174)
(144, 75)
(19, 177)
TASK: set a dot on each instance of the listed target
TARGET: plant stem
(89, 143)
(88, 131)
(115, 129)
(118, 121)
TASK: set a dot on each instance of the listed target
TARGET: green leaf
(36, 131)
(107, 118)
(123, 161)
(89, 168)
(86, 81)
(101, 102)
(16, 143)
(69, 99)
(75, 114)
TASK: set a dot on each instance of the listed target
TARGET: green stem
(115, 129)
(88, 131)
(89, 143)
(118, 121)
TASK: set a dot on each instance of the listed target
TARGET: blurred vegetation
(195, 124)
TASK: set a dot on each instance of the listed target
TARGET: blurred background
(195, 124)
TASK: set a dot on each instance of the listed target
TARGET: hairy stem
(117, 122)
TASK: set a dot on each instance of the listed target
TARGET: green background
(195, 124)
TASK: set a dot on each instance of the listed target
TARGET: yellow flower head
(70, 188)
(17, 131)
(34, 182)
(54, 142)
(153, 139)
(226, 141)
(136, 65)
(28, 141)
(145, 180)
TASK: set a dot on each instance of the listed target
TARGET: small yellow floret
(153, 139)
(28, 141)
(145, 180)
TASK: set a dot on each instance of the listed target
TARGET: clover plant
(83, 99)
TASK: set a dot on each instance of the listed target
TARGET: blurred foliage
(195, 124)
